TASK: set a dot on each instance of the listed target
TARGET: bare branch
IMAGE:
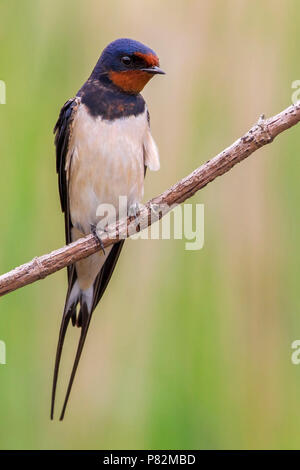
(259, 135)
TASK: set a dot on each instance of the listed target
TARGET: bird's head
(128, 64)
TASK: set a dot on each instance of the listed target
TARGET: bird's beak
(154, 70)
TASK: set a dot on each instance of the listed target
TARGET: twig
(259, 135)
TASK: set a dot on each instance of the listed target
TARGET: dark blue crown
(124, 46)
(110, 57)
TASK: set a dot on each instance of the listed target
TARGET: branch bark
(259, 135)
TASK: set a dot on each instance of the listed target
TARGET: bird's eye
(126, 60)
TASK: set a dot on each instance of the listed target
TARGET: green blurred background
(188, 349)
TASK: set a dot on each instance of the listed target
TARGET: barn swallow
(103, 147)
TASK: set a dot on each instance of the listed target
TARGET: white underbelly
(107, 162)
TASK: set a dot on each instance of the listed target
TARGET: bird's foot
(155, 209)
(262, 123)
(95, 233)
(134, 210)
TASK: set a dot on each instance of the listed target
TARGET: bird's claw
(134, 210)
(262, 123)
(155, 209)
(95, 233)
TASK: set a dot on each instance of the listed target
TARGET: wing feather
(63, 132)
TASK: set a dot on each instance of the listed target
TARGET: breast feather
(106, 160)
